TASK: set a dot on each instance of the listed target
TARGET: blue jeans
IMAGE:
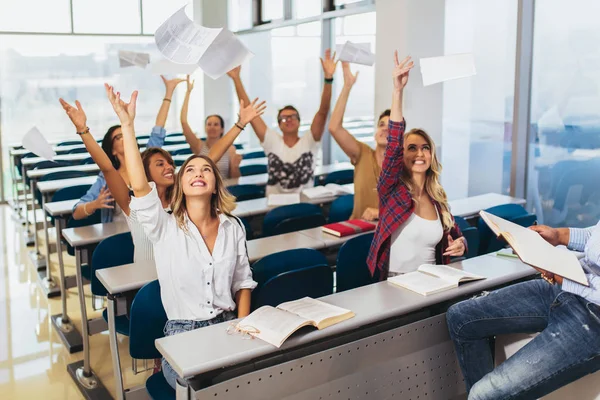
(176, 326)
(567, 348)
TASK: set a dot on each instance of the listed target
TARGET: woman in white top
(214, 126)
(199, 249)
(415, 224)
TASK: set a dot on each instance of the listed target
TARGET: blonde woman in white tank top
(229, 162)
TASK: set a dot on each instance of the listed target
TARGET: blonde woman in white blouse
(199, 249)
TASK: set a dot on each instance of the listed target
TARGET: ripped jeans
(567, 348)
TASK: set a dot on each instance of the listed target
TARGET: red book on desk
(348, 228)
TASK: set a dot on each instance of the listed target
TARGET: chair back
(488, 242)
(53, 176)
(238, 146)
(182, 151)
(248, 228)
(69, 193)
(254, 154)
(147, 321)
(95, 218)
(247, 192)
(69, 143)
(292, 218)
(351, 269)
(315, 282)
(341, 208)
(111, 252)
(253, 169)
(87, 161)
(48, 164)
(78, 151)
(340, 177)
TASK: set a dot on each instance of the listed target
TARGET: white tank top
(413, 244)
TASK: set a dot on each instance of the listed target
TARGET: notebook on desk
(431, 279)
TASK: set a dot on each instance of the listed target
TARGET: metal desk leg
(28, 236)
(35, 256)
(48, 283)
(114, 347)
(62, 324)
(81, 372)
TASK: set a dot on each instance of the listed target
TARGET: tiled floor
(33, 360)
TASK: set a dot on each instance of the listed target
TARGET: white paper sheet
(133, 59)
(215, 50)
(35, 142)
(445, 68)
(357, 53)
(166, 67)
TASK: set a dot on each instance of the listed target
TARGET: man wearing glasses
(291, 156)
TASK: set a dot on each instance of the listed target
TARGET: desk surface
(125, 278)
(91, 234)
(38, 173)
(471, 206)
(52, 186)
(211, 348)
(60, 208)
(261, 179)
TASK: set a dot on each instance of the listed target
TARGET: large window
(564, 158)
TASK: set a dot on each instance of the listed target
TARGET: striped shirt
(588, 241)
(143, 249)
(222, 164)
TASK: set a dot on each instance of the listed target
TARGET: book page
(449, 274)
(273, 325)
(283, 199)
(421, 283)
(338, 190)
(313, 310)
(535, 251)
(317, 192)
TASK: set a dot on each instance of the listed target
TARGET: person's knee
(482, 390)
(455, 317)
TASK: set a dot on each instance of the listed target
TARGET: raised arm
(317, 128)
(247, 114)
(347, 142)
(393, 163)
(258, 124)
(190, 137)
(117, 186)
(133, 159)
(163, 112)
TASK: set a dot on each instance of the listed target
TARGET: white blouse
(194, 284)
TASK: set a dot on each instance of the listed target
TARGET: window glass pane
(339, 3)
(272, 10)
(477, 111)
(239, 15)
(307, 8)
(310, 29)
(155, 12)
(93, 16)
(564, 159)
(358, 119)
(17, 16)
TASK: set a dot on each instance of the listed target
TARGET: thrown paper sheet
(166, 67)
(133, 59)
(215, 50)
(357, 53)
(35, 142)
(445, 68)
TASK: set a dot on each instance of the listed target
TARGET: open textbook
(275, 325)
(532, 249)
(215, 50)
(329, 190)
(430, 279)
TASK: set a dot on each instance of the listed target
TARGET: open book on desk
(431, 279)
(533, 250)
(329, 190)
(275, 325)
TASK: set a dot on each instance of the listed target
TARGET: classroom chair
(341, 208)
(174, 134)
(253, 169)
(142, 137)
(95, 218)
(69, 193)
(315, 281)
(48, 164)
(284, 261)
(146, 324)
(88, 160)
(488, 242)
(291, 218)
(238, 146)
(19, 163)
(247, 192)
(182, 151)
(69, 143)
(173, 142)
(111, 252)
(78, 151)
(254, 154)
(248, 228)
(471, 235)
(53, 176)
(179, 163)
(340, 177)
(351, 267)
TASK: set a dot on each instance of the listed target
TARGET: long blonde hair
(432, 180)
(221, 202)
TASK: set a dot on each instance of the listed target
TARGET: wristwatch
(87, 130)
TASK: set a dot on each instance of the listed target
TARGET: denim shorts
(175, 326)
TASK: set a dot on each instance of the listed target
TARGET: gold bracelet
(165, 99)
(85, 209)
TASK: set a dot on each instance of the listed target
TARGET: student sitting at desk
(98, 196)
(291, 157)
(199, 249)
(415, 225)
(229, 164)
(367, 162)
(566, 314)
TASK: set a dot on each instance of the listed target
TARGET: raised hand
(349, 78)
(253, 110)
(171, 84)
(125, 111)
(401, 70)
(235, 73)
(104, 199)
(329, 64)
(456, 248)
(76, 114)
(190, 84)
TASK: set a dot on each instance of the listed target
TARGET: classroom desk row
(393, 330)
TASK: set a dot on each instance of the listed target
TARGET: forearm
(564, 236)
(163, 112)
(337, 116)
(242, 300)
(96, 152)
(258, 124)
(396, 110)
(80, 210)
(133, 162)
(194, 142)
(325, 99)
(222, 145)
